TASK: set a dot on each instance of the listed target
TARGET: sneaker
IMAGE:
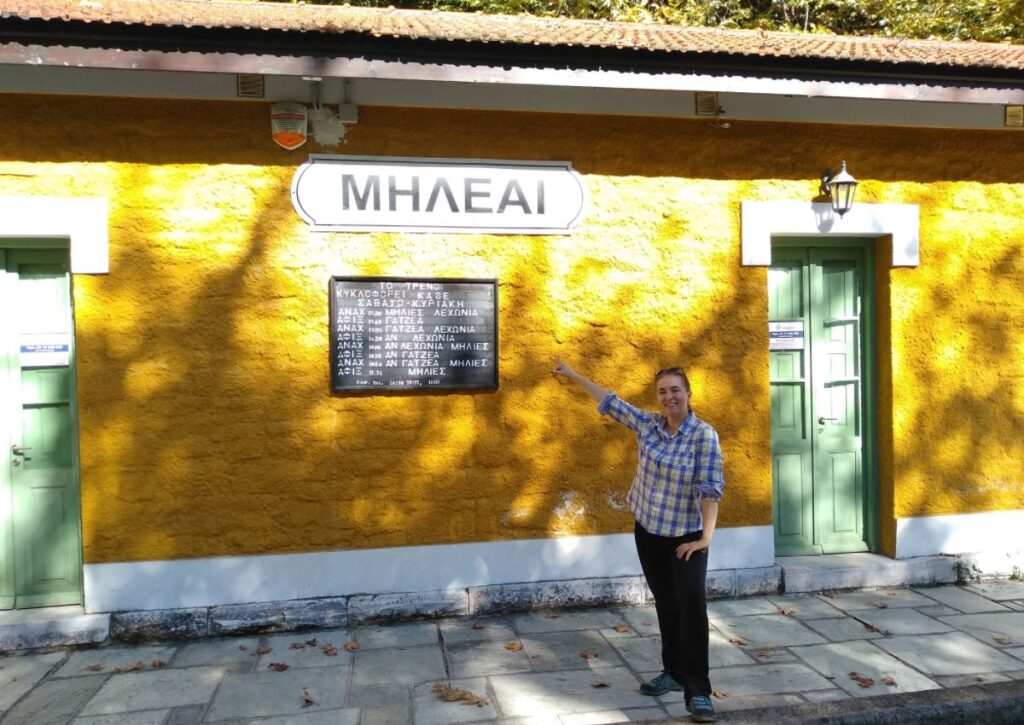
(660, 685)
(701, 709)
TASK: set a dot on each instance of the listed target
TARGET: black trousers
(680, 598)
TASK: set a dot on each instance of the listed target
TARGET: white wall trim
(994, 536)
(217, 581)
(761, 220)
(83, 221)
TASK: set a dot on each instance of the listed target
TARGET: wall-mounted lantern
(840, 187)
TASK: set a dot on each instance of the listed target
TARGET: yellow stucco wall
(206, 423)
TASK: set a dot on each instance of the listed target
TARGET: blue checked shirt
(673, 473)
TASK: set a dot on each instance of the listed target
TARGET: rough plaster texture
(206, 424)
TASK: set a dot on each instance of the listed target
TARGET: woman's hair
(673, 371)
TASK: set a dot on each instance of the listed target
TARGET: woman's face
(673, 397)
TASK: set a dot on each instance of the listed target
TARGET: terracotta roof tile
(517, 30)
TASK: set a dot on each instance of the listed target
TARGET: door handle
(19, 450)
(822, 419)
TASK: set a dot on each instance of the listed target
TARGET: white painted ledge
(761, 220)
(991, 541)
(183, 583)
(82, 221)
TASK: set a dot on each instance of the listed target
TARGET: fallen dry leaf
(552, 615)
(278, 666)
(1003, 640)
(135, 667)
(622, 627)
(117, 670)
(861, 680)
(786, 611)
(514, 646)
(599, 683)
(351, 645)
(296, 645)
(159, 664)
(764, 655)
(478, 625)
(95, 667)
(719, 694)
(829, 593)
(890, 681)
(311, 642)
(306, 699)
(262, 649)
(448, 693)
(738, 640)
(242, 647)
(589, 654)
(870, 628)
(534, 657)
(329, 651)
(829, 677)
(881, 605)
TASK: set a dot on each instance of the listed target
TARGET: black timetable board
(405, 333)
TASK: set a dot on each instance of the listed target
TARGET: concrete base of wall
(35, 628)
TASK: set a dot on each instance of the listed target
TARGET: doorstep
(860, 571)
(51, 627)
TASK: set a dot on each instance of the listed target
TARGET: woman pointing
(674, 498)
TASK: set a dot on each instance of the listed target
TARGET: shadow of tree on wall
(207, 423)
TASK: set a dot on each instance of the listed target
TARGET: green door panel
(817, 399)
(42, 561)
(792, 499)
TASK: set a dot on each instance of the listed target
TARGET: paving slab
(740, 607)
(260, 694)
(840, 660)
(403, 665)
(476, 629)
(395, 635)
(643, 619)
(1001, 628)
(312, 649)
(968, 680)
(20, 673)
(547, 694)
(767, 679)
(806, 606)
(565, 620)
(768, 630)
(953, 653)
(571, 651)
(901, 621)
(429, 709)
(226, 651)
(841, 630)
(326, 717)
(54, 702)
(107, 659)
(998, 591)
(939, 610)
(722, 652)
(1017, 652)
(148, 717)
(826, 695)
(475, 659)
(878, 598)
(399, 714)
(962, 599)
(642, 714)
(375, 695)
(155, 690)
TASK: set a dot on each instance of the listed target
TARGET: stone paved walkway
(567, 667)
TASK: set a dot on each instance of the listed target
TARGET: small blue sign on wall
(44, 354)
(786, 335)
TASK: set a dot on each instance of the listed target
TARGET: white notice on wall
(40, 351)
(786, 335)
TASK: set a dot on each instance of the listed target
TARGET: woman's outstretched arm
(594, 390)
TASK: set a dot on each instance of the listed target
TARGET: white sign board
(40, 351)
(366, 193)
(786, 335)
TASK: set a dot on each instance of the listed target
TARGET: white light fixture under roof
(840, 187)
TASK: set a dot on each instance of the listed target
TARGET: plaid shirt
(673, 473)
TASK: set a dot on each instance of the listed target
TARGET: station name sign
(373, 193)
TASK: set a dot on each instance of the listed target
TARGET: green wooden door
(817, 399)
(40, 537)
